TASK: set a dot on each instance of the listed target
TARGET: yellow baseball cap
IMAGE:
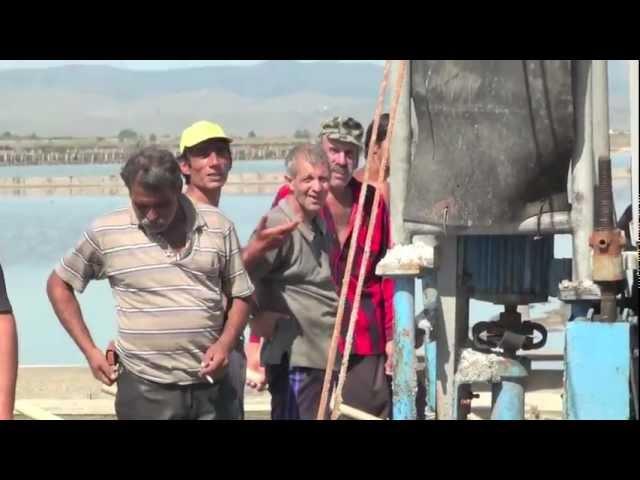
(199, 132)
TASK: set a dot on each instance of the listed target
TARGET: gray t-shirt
(5, 306)
(295, 280)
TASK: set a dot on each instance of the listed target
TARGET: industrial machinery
(489, 161)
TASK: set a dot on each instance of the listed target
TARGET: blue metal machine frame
(597, 371)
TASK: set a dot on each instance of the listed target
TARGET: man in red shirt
(367, 386)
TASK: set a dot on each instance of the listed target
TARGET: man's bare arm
(256, 375)
(67, 309)
(216, 357)
(8, 364)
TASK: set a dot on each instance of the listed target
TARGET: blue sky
(136, 64)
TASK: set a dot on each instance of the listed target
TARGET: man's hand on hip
(101, 369)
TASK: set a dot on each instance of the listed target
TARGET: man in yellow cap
(205, 160)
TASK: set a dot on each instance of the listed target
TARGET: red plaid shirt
(374, 325)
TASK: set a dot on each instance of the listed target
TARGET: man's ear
(185, 167)
(289, 180)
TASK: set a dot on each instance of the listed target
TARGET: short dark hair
(383, 125)
(156, 169)
(182, 159)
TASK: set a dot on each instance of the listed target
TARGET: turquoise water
(36, 232)
(243, 166)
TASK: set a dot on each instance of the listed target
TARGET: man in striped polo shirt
(174, 268)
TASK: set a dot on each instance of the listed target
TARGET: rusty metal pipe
(608, 303)
(607, 243)
(604, 218)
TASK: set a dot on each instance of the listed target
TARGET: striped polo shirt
(170, 307)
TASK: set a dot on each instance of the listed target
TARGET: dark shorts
(295, 391)
(367, 387)
(277, 377)
(141, 399)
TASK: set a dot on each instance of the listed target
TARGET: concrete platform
(73, 393)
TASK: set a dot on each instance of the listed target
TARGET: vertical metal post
(633, 98)
(605, 241)
(404, 373)
(507, 395)
(600, 94)
(400, 158)
(404, 365)
(583, 174)
(508, 399)
(452, 327)
(430, 355)
(432, 308)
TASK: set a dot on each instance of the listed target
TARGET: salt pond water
(35, 233)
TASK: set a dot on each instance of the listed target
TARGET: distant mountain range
(271, 98)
